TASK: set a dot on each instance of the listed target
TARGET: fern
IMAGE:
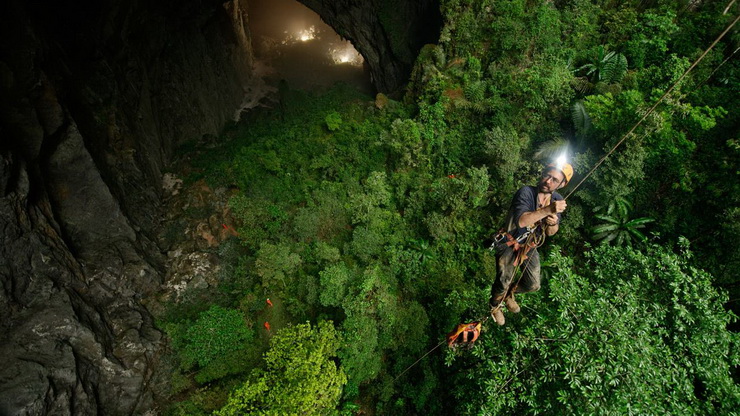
(613, 69)
(581, 119)
(582, 85)
(618, 206)
(607, 67)
(481, 107)
(475, 91)
(438, 54)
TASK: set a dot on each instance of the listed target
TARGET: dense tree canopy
(374, 215)
(300, 377)
(628, 331)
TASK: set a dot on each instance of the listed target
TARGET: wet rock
(93, 99)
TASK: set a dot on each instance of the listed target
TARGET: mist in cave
(292, 44)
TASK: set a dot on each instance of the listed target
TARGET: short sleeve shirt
(525, 200)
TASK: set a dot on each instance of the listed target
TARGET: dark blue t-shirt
(525, 200)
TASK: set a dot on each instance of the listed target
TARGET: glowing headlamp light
(560, 161)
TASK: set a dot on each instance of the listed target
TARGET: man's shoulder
(557, 197)
(527, 190)
(525, 193)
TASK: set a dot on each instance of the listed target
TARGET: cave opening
(292, 44)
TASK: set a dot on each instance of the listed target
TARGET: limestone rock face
(388, 34)
(94, 97)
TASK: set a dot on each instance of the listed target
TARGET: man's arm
(528, 219)
(553, 224)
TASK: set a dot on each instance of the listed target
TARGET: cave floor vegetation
(340, 236)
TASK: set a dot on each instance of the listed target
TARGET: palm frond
(609, 237)
(589, 68)
(608, 218)
(604, 228)
(623, 207)
(640, 236)
(600, 53)
(616, 223)
(551, 149)
(613, 69)
(581, 119)
(638, 222)
(621, 237)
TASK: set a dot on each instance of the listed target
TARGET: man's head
(554, 177)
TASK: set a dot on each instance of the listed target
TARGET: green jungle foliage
(299, 378)
(376, 219)
(618, 226)
(626, 332)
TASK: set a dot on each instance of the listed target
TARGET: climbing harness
(530, 239)
(533, 240)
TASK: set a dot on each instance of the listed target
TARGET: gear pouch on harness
(520, 245)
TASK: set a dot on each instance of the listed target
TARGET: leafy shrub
(201, 402)
(300, 377)
(275, 264)
(333, 121)
(404, 141)
(334, 281)
(216, 332)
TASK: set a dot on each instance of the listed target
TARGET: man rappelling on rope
(534, 213)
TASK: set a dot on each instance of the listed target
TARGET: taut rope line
(650, 111)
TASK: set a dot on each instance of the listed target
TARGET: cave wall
(388, 33)
(94, 98)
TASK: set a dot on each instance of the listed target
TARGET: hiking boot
(511, 304)
(497, 315)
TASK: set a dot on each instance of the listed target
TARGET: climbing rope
(538, 242)
(652, 109)
(417, 361)
(532, 237)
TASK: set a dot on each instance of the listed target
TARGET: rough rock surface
(94, 96)
(197, 221)
(388, 33)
